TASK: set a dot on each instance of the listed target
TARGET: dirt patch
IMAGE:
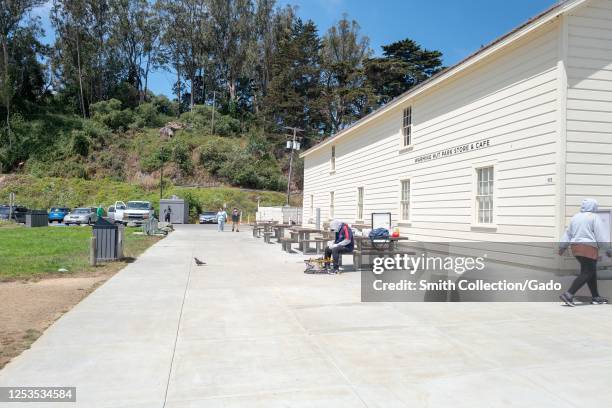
(29, 307)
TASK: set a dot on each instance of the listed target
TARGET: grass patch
(35, 252)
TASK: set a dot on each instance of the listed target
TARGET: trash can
(36, 218)
(109, 240)
(179, 210)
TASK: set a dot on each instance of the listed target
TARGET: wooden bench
(267, 235)
(286, 244)
(319, 245)
(257, 231)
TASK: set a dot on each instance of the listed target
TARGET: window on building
(405, 200)
(484, 195)
(407, 127)
(333, 158)
(360, 203)
(331, 204)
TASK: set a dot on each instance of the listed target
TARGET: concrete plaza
(249, 329)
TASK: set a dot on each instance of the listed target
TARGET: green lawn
(34, 252)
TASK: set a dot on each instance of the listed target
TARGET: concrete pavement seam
(178, 327)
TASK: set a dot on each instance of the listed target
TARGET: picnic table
(364, 247)
(303, 236)
(393, 242)
(279, 230)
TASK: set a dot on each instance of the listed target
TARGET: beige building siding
(509, 98)
(589, 105)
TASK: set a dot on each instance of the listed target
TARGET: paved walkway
(251, 330)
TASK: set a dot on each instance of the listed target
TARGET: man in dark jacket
(343, 243)
(236, 220)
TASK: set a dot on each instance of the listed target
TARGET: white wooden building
(501, 147)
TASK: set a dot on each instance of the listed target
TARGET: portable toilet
(179, 210)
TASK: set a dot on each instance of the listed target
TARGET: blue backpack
(379, 234)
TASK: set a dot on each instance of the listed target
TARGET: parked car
(110, 213)
(208, 217)
(135, 211)
(81, 216)
(18, 214)
(117, 213)
(57, 214)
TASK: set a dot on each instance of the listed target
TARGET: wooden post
(92, 251)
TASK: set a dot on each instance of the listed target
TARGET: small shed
(179, 210)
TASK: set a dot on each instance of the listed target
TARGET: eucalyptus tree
(12, 13)
(233, 41)
(73, 46)
(345, 89)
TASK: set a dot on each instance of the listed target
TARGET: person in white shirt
(221, 218)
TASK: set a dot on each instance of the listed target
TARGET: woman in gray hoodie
(585, 235)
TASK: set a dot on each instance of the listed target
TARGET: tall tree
(12, 12)
(404, 64)
(73, 45)
(345, 89)
(294, 94)
(232, 35)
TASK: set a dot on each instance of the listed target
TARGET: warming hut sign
(464, 148)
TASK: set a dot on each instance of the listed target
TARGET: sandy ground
(29, 307)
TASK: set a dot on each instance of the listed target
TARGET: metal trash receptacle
(36, 218)
(109, 240)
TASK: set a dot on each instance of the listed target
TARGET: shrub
(110, 114)
(80, 142)
(148, 116)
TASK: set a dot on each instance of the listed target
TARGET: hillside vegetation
(73, 192)
(126, 145)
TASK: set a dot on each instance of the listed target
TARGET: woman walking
(585, 235)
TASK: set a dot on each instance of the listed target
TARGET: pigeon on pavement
(198, 262)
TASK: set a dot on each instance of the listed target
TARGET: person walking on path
(585, 235)
(167, 214)
(236, 220)
(221, 218)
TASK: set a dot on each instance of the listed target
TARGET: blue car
(57, 214)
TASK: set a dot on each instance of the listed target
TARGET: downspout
(561, 169)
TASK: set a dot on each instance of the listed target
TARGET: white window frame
(406, 141)
(332, 209)
(360, 200)
(476, 224)
(408, 200)
(332, 160)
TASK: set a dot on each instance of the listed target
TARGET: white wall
(589, 105)
(510, 98)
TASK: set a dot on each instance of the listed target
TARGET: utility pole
(212, 131)
(293, 143)
(161, 181)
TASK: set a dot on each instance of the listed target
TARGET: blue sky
(457, 28)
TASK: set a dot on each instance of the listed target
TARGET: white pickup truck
(133, 211)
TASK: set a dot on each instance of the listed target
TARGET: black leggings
(588, 275)
(335, 254)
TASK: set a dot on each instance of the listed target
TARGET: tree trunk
(178, 84)
(80, 75)
(6, 88)
(191, 79)
(143, 97)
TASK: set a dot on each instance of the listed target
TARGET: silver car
(81, 216)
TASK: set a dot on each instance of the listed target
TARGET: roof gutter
(501, 42)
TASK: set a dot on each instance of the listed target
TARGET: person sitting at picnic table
(343, 243)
